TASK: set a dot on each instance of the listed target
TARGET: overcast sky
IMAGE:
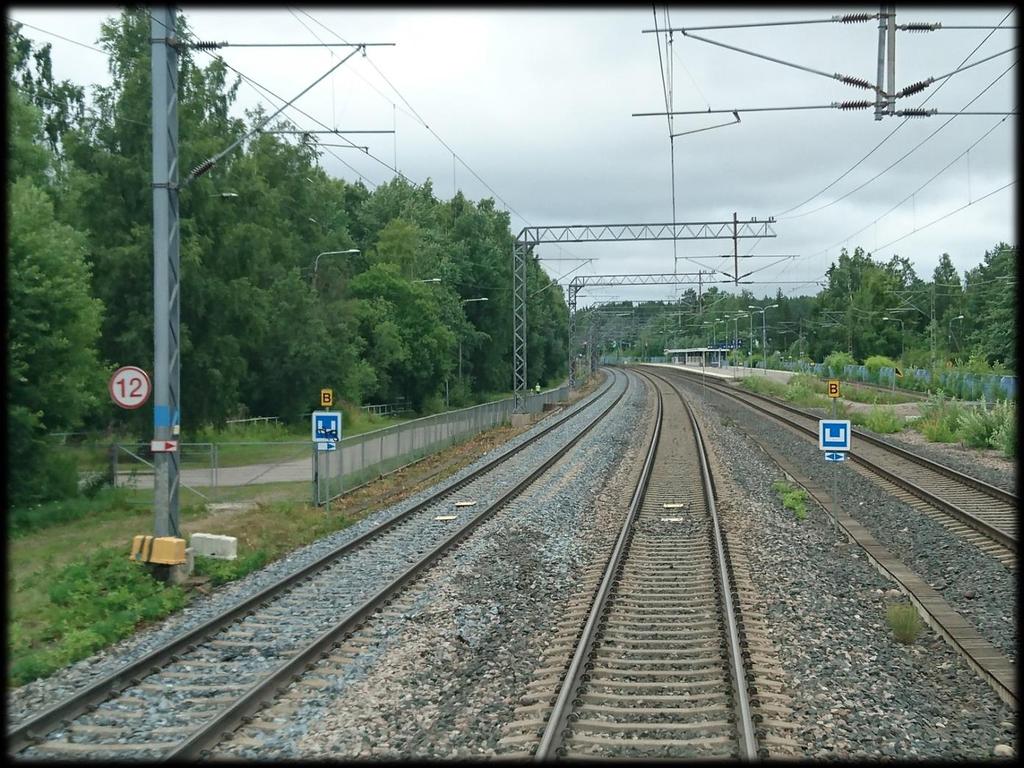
(539, 104)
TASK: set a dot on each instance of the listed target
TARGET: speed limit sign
(129, 387)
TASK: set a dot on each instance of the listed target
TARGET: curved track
(964, 501)
(659, 669)
(208, 680)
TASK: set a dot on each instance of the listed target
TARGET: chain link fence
(220, 471)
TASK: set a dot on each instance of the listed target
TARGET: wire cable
(891, 133)
(423, 122)
(905, 155)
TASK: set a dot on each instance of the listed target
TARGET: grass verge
(64, 605)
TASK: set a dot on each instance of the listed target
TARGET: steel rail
(268, 688)
(745, 722)
(998, 535)
(35, 727)
(554, 730)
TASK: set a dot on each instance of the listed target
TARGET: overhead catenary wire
(925, 184)
(259, 87)
(423, 122)
(59, 37)
(891, 133)
(947, 215)
(906, 154)
(210, 162)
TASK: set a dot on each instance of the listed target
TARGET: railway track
(979, 512)
(659, 668)
(180, 699)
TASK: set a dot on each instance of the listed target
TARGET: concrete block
(214, 545)
(521, 419)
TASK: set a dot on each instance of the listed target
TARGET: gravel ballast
(440, 679)
(856, 691)
(38, 695)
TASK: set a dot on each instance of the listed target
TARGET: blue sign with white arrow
(834, 434)
(834, 456)
(326, 426)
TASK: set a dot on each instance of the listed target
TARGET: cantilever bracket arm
(735, 114)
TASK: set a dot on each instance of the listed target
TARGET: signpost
(326, 398)
(130, 387)
(326, 427)
(834, 436)
(833, 391)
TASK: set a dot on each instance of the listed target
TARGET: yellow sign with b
(833, 388)
(326, 397)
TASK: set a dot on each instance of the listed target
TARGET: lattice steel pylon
(595, 233)
(519, 253)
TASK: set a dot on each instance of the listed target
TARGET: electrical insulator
(206, 45)
(915, 112)
(857, 82)
(202, 168)
(917, 87)
(854, 104)
(851, 18)
(918, 26)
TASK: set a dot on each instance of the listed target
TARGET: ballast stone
(214, 545)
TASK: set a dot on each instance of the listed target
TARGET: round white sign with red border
(130, 387)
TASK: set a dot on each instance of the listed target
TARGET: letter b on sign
(833, 387)
(326, 397)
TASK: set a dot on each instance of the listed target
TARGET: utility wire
(259, 87)
(61, 37)
(944, 169)
(423, 122)
(210, 162)
(906, 154)
(891, 133)
(946, 215)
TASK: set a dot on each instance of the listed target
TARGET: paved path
(250, 474)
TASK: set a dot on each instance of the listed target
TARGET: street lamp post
(465, 301)
(951, 336)
(764, 333)
(316, 261)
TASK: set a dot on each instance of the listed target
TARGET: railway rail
(659, 669)
(980, 512)
(205, 682)
(991, 663)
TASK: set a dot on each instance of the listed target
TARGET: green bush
(876, 362)
(836, 361)
(96, 602)
(904, 622)
(940, 419)
(763, 386)
(1004, 436)
(977, 425)
(883, 421)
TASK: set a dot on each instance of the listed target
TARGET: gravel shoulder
(26, 700)
(856, 691)
(439, 679)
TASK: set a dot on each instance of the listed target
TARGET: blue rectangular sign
(834, 456)
(326, 426)
(834, 434)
